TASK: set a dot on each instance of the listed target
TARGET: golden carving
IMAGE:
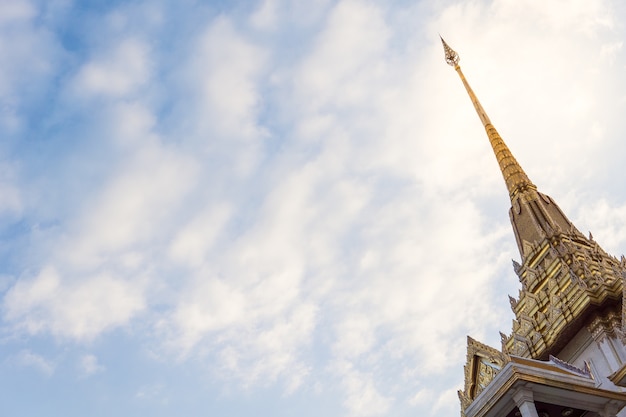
(482, 365)
(606, 325)
(485, 373)
(551, 299)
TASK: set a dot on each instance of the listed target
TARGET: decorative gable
(482, 365)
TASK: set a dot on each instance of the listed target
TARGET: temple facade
(566, 352)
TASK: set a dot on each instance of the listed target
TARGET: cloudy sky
(283, 207)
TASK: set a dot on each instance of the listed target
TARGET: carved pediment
(482, 365)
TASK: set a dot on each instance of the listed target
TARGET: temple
(566, 352)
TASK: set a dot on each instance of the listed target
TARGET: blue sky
(282, 207)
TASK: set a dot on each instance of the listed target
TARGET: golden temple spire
(514, 176)
(567, 279)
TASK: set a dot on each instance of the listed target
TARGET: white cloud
(192, 243)
(153, 392)
(445, 403)
(355, 335)
(11, 202)
(96, 272)
(80, 310)
(211, 305)
(90, 365)
(367, 256)
(130, 124)
(362, 396)
(357, 30)
(117, 72)
(367, 249)
(224, 74)
(272, 15)
(607, 223)
(256, 342)
(16, 10)
(30, 55)
(265, 17)
(26, 358)
(610, 50)
(144, 191)
(423, 397)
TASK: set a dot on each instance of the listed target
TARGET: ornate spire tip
(452, 58)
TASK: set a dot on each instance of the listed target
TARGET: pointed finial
(514, 176)
(452, 58)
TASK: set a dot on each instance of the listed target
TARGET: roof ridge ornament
(586, 371)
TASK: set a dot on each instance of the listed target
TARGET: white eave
(548, 382)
